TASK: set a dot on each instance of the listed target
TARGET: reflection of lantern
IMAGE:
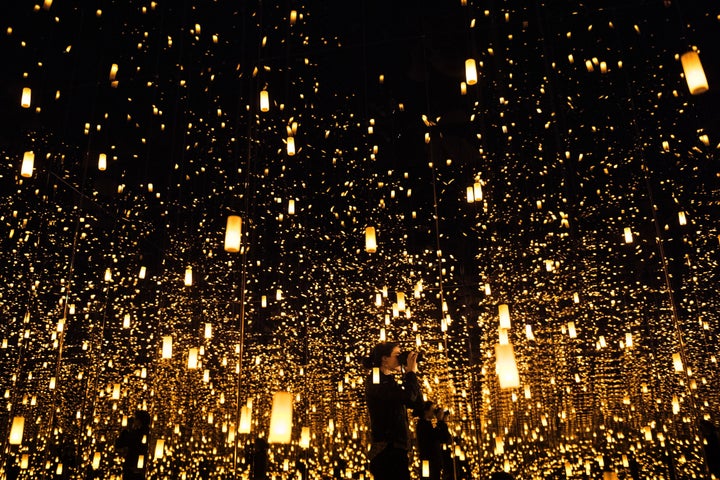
(26, 170)
(694, 73)
(25, 101)
(370, 240)
(233, 233)
(281, 418)
(470, 71)
(504, 312)
(16, 430)
(505, 366)
(167, 347)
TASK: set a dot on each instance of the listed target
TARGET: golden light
(677, 362)
(470, 71)
(304, 437)
(102, 162)
(233, 233)
(192, 362)
(16, 431)
(370, 240)
(159, 448)
(188, 276)
(694, 73)
(506, 367)
(264, 101)
(26, 170)
(425, 469)
(281, 418)
(628, 235)
(504, 313)
(245, 419)
(291, 146)
(26, 98)
(167, 346)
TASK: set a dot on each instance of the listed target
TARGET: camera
(403, 357)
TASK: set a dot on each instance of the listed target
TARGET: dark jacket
(387, 403)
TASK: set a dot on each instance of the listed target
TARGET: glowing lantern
(126, 321)
(503, 338)
(208, 330)
(113, 71)
(192, 362)
(470, 71)
(504, 312)
(116, 392)
(26, 170)
(677, 362)
(681, 218)
(291, 146)
(610, 476)
(694, 73)
(305, 437)
(233, 233)
(628, 235)
(571, 330)
(26, 99)
(16, 430)
(506, 367)
(675, 405)
(426, 469)
(376, 376)
(370, 240)
(401, 301)
(167, 346)
(470, 195)
(102, 162)
(142, 272)
(281, 418)
(291, 207)
(264, 101)
(245, 417)
(96, 460)
(477, 191)
(188, 276)
(159, 448)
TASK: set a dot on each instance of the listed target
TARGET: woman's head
(383, 350)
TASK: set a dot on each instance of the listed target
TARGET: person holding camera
(387, 402)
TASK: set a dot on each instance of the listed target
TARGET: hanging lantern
(426, 469)
(628, 235)
(504, 312)
(401, 301)
(113, 71)
(694, 73)
(192, 362)
(167, 347)
(291, 146)
(142, 272)
(159, 448)
(470, 71)
(677, 362)
(26, 98)
(115, 392)
(506, 367)
(370, 240)
(208, 330)
(188, 276)
(291, 207)
(503, 338)
(245, 419)
(126, 320)
(281, 418)
(264, 101)
(610, 476)
(26, 170)
(477, 191)
(376, 376)
(470, 195)
(305, 437)
(571, 330)
(233, 233)
(102, 162)
(16, 430)
(682, 220)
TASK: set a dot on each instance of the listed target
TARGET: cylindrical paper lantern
(470, 71)
(167, 346)
(305, 437)
(159, 448)
(506, 367)
(264, 101)
(26, 170)
(26, 98)
(16, 430)
(694, 73)
(504, 312)
(281, 418)
(192, 363)
(233, 233)
(370, 240)
(188, 276)
(245, 419)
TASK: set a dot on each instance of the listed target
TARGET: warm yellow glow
(26, 99)
(503, 337)
(504, 312)
(159, 448)
(233, 233)
(470, 71)
(264, 101)
(376, 376)
(370, 240)
(425, 469)
(208, 330)
(506, 367)
(694, 73)
(167, 346)
(571, 330)
(628, 235)
(188, 276)
(281, 418)
(291, 207)
(192, 362)
(291, 146)
(401, 301)
(16, 430)
(26, 170)
(677, 362)
(245, 419)
(113, 71)
(305, 437)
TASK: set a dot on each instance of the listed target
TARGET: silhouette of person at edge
(387, 403)
(133, 443)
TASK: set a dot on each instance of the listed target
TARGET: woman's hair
(383, 349)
